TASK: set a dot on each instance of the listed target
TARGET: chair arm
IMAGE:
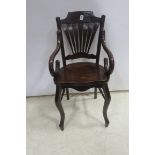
(52, 57)
(108, 68)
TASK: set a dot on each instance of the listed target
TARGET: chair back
(80, 28)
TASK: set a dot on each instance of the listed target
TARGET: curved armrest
(108, 68)
(53, 55)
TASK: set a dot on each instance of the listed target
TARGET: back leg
(95, 93)
(67, 92)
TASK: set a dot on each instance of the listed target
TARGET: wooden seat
(80, 28)
(83, 73)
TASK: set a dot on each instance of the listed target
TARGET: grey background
(41, 39)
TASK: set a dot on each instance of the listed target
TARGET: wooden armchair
(80, 28)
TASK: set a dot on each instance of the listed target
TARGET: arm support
(52, 57)
(109, 69)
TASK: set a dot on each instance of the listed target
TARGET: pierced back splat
(80, 28)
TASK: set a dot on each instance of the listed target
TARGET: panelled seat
(82, 73)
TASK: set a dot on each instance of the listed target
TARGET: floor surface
(84, 132)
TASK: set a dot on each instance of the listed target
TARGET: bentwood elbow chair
(80, 28)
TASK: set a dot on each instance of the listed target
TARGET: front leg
(106, 103)
(59, 106)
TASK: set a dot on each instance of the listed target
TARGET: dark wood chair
(80, 28)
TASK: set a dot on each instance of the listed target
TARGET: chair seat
(82, 73)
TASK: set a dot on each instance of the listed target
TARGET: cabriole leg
(106, 103)
(59, 106)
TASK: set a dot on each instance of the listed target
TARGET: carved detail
(81, 55)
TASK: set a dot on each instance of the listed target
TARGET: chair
(80, 28)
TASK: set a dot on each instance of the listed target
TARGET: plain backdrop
(41, 39)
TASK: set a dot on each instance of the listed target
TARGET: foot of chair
(106, 124)
(59, 107)
(61, 126)
(106, 104)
